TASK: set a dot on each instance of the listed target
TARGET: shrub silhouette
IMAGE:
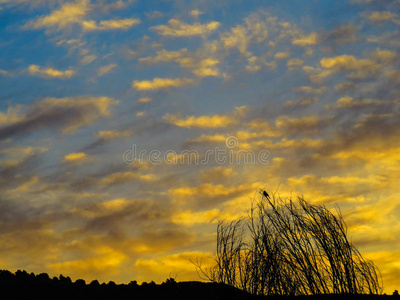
(287, 247)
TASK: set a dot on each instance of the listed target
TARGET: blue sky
(313, 83)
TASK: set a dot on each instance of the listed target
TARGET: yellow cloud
(359, 68)
(112, 134)
(201, 66)
(177, 28)
(380, 16)
(195, 13)
(190, 218)
(207, 68)
(349, 102)
(207, 190)
(164, 56)
(241, 36)
(36, 70)
(210, 138)
(87, 59)
(122, 24)
(306, 40)
(200, 122)
(123, 177)
(115, 204)
(104, 260)
(69, 13)
(309, 90)
(160, 83)
(386, 56)
(295, 62)
(282, 55)
(106, 69)
(144, 100)
(207, 121)
(74, 13)
(75, 157)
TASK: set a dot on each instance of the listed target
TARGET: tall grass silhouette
(286, 247)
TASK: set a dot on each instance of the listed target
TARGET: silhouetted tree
(94, 283)
(133, 283)
(285, 247)
(80, 282)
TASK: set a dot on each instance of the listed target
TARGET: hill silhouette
(24, 285)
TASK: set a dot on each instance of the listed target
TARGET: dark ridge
(24, 285)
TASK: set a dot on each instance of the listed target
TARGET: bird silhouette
(265, 194)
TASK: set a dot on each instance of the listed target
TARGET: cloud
(69, 13)
(122, 24)
(176, 28)
(123, 177)
(294, 62)
(349, 102)
(65, 114)
(36, 70)
(302, 125)
(195, 13)
(301, 102)
(75, 157)
(105, 69)
(306, 40)
(113, 134)
(200, 65)
(200, 122)
(380, 16)
(282, 55)
(103, 259)
(205, 195)
(357, 68)
(87, 59)
(144, 100)
(160, 83)
(165, 56)
(241, 36)
(207, 121)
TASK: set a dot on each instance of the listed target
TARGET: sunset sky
(311, 86)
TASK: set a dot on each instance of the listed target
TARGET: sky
(129, 128)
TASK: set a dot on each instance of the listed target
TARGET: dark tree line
(287, 247)
(24, 285)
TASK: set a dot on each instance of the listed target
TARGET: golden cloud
(69, 13)
(359, 68)
(160, 83)
(75, 157)
(112, 134)
(123, 177)
(36, 70)
(200, 122)
(306, 40)
(122, 24)
(105, 69)
(177, 28)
